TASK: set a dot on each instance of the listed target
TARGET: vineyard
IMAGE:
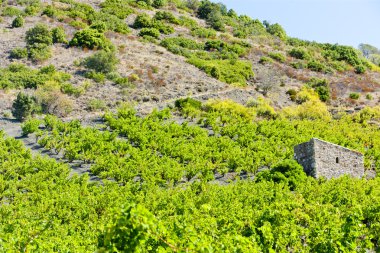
(157, 193)
(211, 170)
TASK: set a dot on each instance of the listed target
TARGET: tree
(276, 30)
(23, 106)
(368, 50)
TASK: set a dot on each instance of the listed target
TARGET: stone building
(324, 159)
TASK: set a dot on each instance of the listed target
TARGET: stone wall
(304, 155)
(324, 159)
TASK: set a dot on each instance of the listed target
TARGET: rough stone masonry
(324, 159)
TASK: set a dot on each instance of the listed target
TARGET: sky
(346, 22)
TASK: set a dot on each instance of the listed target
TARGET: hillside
(169, 126)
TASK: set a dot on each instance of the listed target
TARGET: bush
(159, 3)
(187, 102)
(369, 96)
(316, 66)
(360, 69)
(30, 126)
(18, 22)
(321, 86)
(96, 76)
(299, 53)
(39, 52)
(231, 72)
(52, 101)
(39, 34)
(101, 62)
(11, 11)
(277, 56)
(19, 53)
(287, 171)
(23, 107)
(59, 35)
(49, 11)
(277, 30)
(298, 65)
(354, 96)
(96, 104)
(91, 39)
(142, 21)
(265, 60)
(203, 33)
(152, 32)
(167, 16)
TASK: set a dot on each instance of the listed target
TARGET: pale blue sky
(347, 22)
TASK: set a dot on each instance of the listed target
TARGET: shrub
(215, 20)
(11, 11)
(52, 101)
(96, 76)
(316, 66)
(277, 30)
(96, 104)
(49, 11)
(299, 53)
(39, 34)
(159, 3)
(321, 86)
(369, 96)
(19, 53)
(298, 65)
(360, 69)
(32, 10)
(101, 62)
(91, 39)
(152, 32)
(186, 102)
(167, 16)
(39, 52)
(23, 107)
(277, 56)
(288, 171)
(237, 72)
(59, 35)
(18, 22)
(265, 60)
(354, 95)
(142, 20)
(203, 33)
(30, 126)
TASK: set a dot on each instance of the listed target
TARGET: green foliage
(17, 76)
(152, 32)
(11, 11)
(49, 11)
(277, 30)
(299, 53)
(287, 171)
(39, 34)
(316, 66)
(38, 42)
(167, 16)
(159, 3)
(96, 76)
(277, 56)
(19, 53)
(118, 8)
(204, 33)
(58, 35)
(23, 106)
(354, 95)
(96, 104)
(142, 21)
(369, 96)
(30, 126)
(321, 86)
(18, 22)
(101, 62)
(91, 39)
(265, 60)
(231, 72)
(188, 102)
